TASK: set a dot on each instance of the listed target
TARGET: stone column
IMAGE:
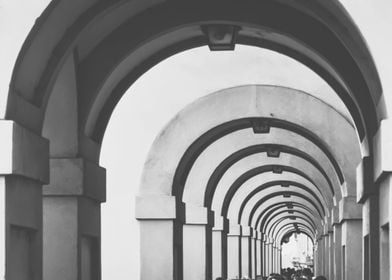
(337, 240)
(350, 216)
(234, 252)
(259, 255)
(320, 255)
(253, 255)
(72, 219)
(370, 227)
(219, 247)
(269, 256)
(326, 255)
(246, 236)
(24, 168)
(275, 264)
(197, 243)
(367, 193)
(321, 248)
(264, 254)
(160, 237)
(280, 259)
(315, 258)
(331, 255)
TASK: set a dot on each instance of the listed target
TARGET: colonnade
(253, 194)
(233, 173)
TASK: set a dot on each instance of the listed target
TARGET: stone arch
(156, 166)
(353, 78)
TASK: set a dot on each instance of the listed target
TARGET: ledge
(382, 146)
(23, 153)
(76, 177)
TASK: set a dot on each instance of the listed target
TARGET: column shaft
(337, 239)
(352, 249)
(233, 256)
(331, 256)
(245, 256)
(195, 252)
(219, 254)
(259, 258)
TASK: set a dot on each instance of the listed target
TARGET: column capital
(334, 215)
(349, 209)
(234, 230)
(246, 231)
(257, 234)
(197, 215)
(76, 177)
(221, 223)
(23, 153)
(364, 178)
(270, 240)
(382, 146)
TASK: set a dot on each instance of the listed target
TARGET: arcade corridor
(234, 174)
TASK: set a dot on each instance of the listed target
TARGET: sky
(299, 246)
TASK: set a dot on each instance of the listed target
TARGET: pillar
(160, 237)
(331, 255)
(279, 259)
(253, 255)
(72, 219)
(246, 235)
(326, 255)
(259, 255)
(234, 252)
(351, 219)
(264, 255)
(275, 249)
(197, 243)
(385, 198)
(337, 240)
(219, 247)
(24, 168)
(370, 240)
(377, 182)
(321, 255)
(269, 256)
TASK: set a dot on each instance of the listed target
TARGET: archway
(94, 96)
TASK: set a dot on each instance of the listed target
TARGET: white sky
(299, 246)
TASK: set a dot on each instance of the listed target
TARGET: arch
(277, 217)
(307, 232)
(302, 226)
(183, 155)
(348, 69)
(233, 158)
(320, 211)
(269, 185)
(327, 48)
(288, 201)
(272, 212)
(283, 221)
(262, 169)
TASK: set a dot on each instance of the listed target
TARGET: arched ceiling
(255, 159)
(196, 156)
